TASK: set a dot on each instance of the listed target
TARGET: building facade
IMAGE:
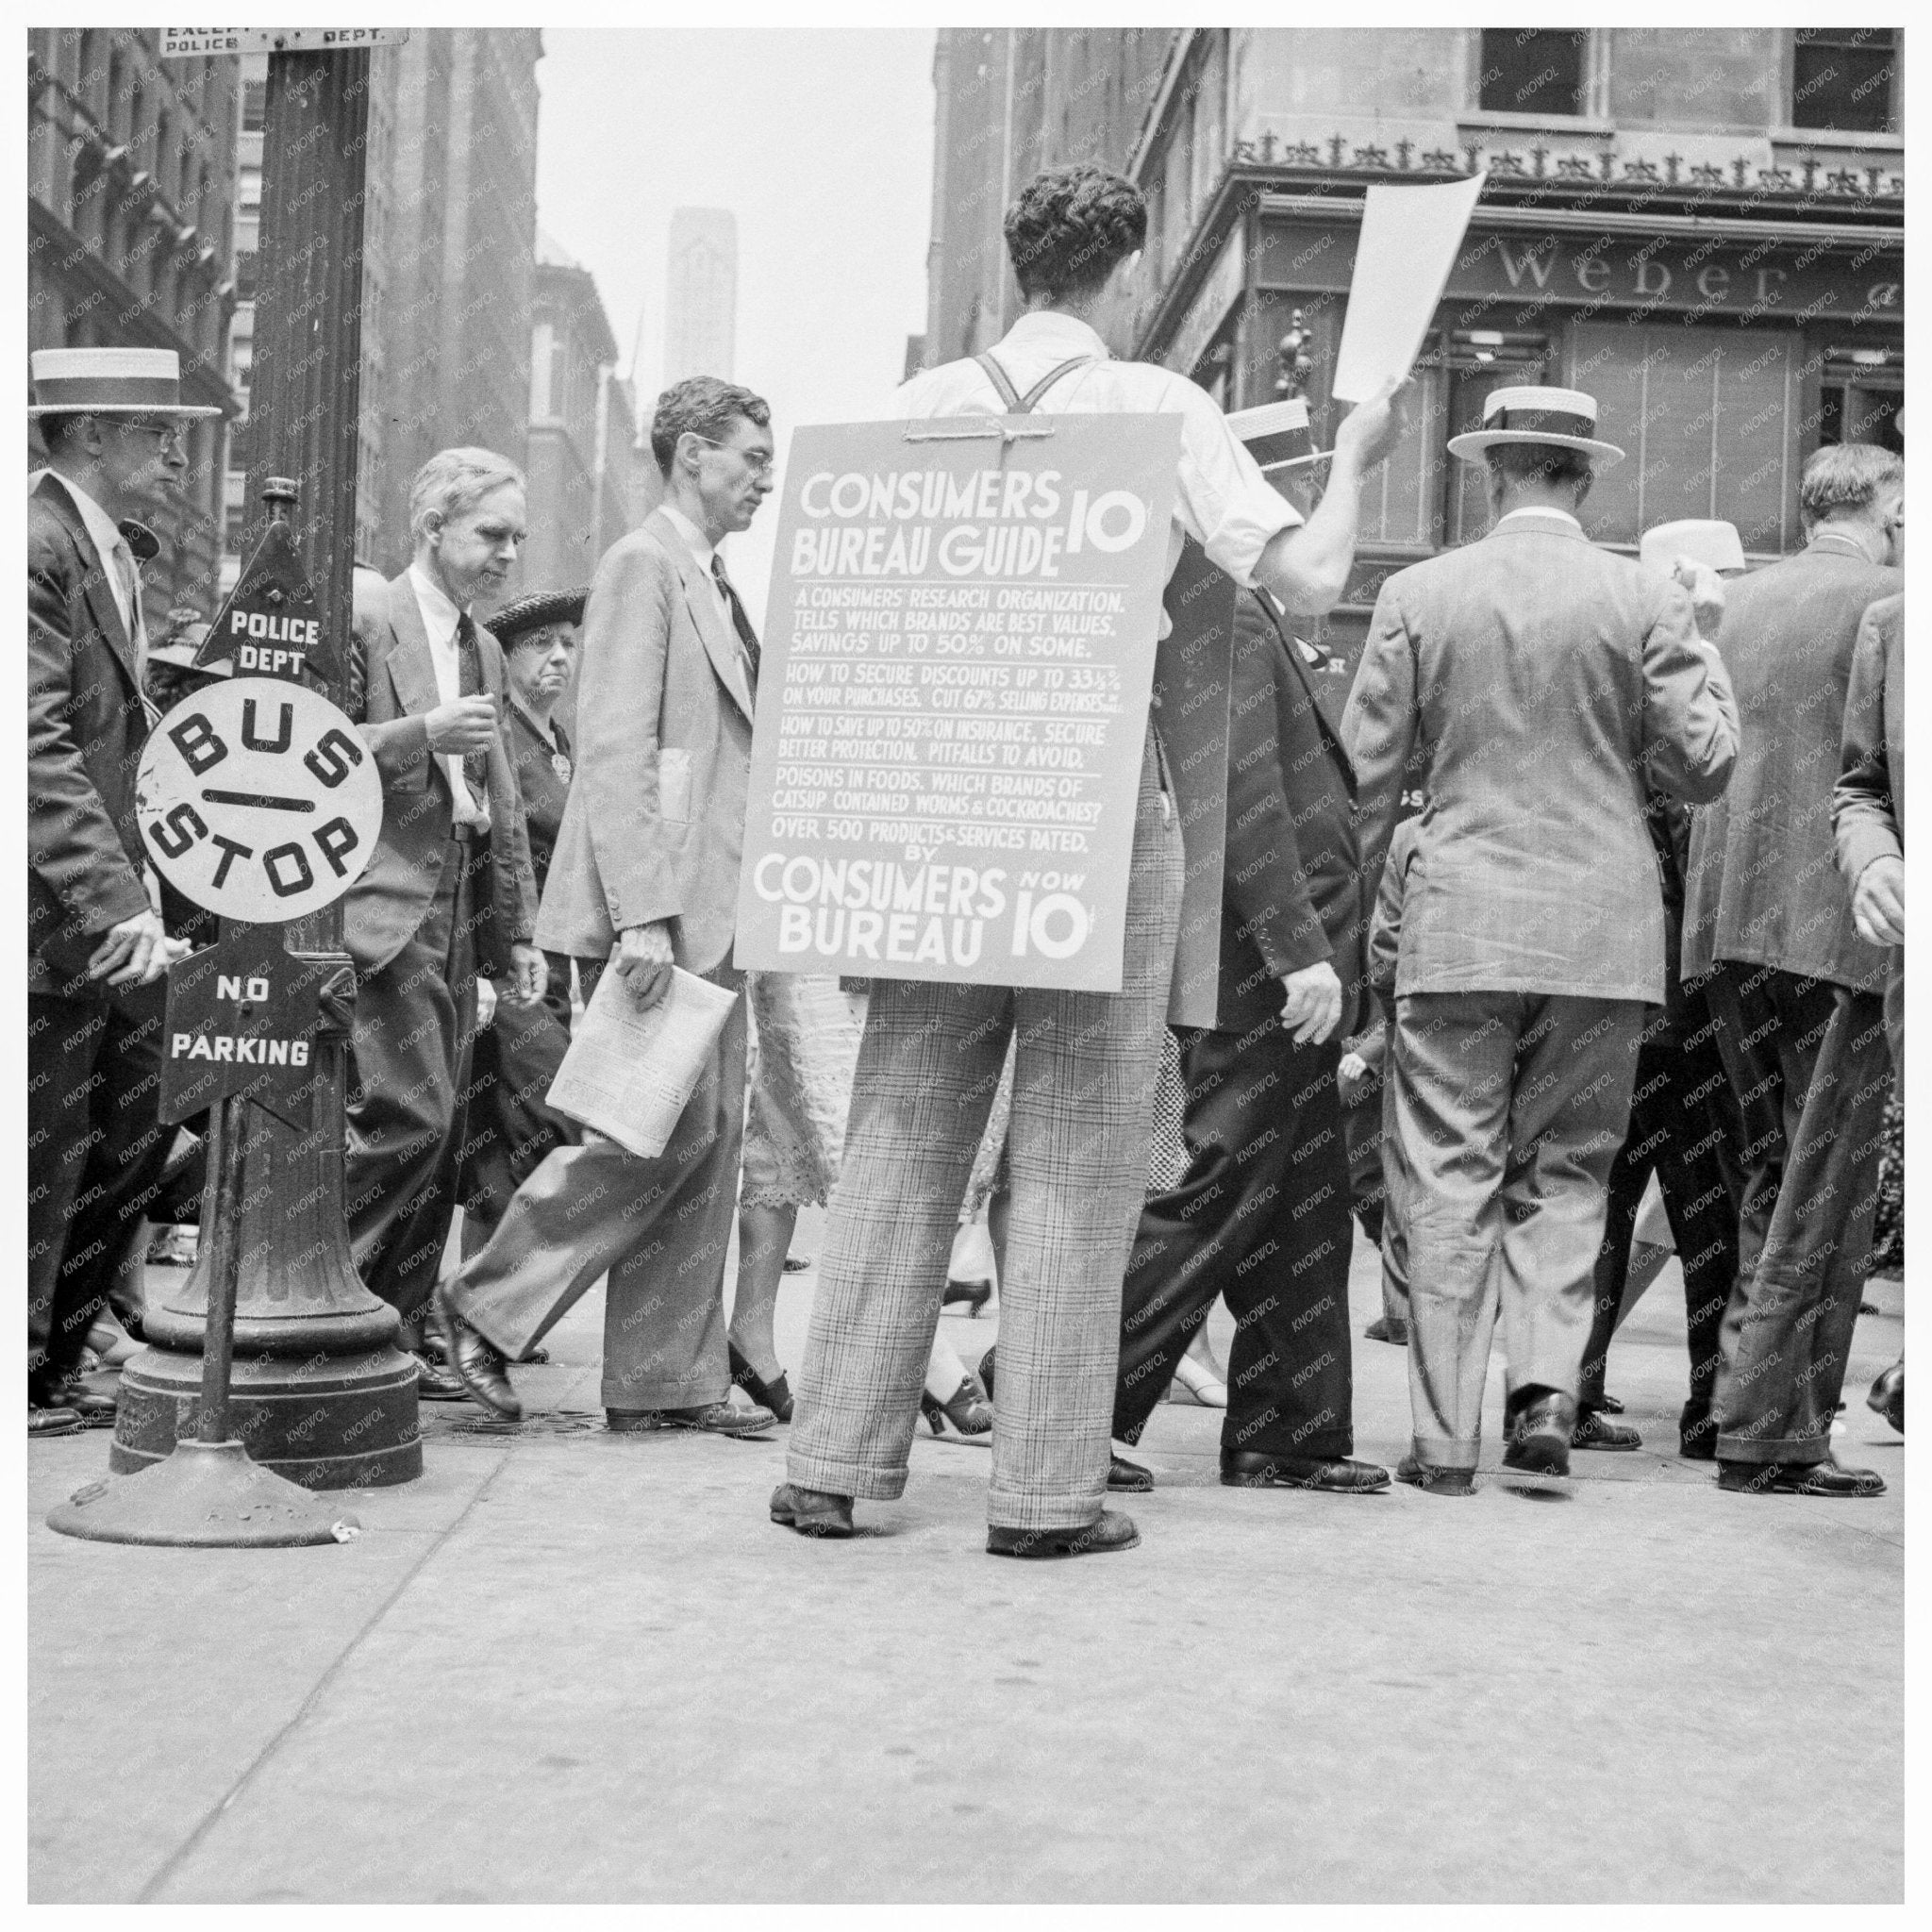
(701, 294)
(587, 485)
(1704, 229)
(131, 170)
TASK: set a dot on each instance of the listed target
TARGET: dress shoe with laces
(1109, 1531)
(1340, 1475)
(812, 1512)
(1130, 1479)
(477, 1362)
(435, 1383)
(43, 1420)
(1437, 1480)
(1541, 1437)
(1827, 1478)
(1596, 1431)
(69, 1392)
(708, 1418)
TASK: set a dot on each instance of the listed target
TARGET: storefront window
(1531, 71)
(1845, 79)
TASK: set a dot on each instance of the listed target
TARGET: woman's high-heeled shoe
(1203, 1385)
(774, 1394)
(966, 1408)
(977, 1292)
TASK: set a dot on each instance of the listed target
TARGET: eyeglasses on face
(758, 461)
(167, 436)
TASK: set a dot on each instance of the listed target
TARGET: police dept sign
(257, 799)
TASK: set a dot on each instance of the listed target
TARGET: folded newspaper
(631, 1070)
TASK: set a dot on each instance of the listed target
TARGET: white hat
(110, 382)
(1560, 418)
(1277, 435)
(1701, 540)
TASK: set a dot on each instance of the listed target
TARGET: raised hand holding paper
(1409, 241)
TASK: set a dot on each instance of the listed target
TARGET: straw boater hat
(110, 382)
(515, 622)
(1277, 435)
(1558, 418)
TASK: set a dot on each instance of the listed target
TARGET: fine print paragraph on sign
(958, 653)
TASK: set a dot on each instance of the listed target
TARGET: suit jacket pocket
(673, 786)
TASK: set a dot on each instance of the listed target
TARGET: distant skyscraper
(701, 298)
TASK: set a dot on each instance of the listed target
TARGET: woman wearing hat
(518, 1049)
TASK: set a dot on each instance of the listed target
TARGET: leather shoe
(1134, 1479)
(476, 1360)
(1887, 1396)
(812, 1512)
(710, 1418)
(1609, 1404)
(985, 1371)
(1593, 1431)
(43, 1420)
(1433, 1478)
(1383, 1329)
(1340, 1475)
(1697, 1435)
(1540, 1441)
(69, 1392)
(1827, 1478)
(1109, 1531)
(435, 1383)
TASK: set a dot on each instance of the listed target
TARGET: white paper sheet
(630, 1072)
(1410, 237)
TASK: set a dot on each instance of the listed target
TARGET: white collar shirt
(1538, 510)
(441, 620)
(123, 576)
(704, 551)
(1222, 499)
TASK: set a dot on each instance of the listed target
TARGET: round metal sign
(259, 800)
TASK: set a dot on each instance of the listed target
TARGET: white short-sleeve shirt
(1223, 500)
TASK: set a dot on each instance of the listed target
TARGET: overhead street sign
(198, 43)
(259, 800)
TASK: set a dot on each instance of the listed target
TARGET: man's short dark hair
(1542, 462)
(705, 406)
(55, 429)
(1069, 227)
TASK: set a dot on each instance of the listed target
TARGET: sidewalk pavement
(571, 1666)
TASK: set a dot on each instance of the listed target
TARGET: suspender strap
(1016, 403)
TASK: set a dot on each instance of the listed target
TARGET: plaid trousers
(1082, 1113)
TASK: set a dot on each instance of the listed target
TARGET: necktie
(469, 684)
(137, 624)
(747, 638)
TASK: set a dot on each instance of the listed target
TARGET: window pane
(1529, 71)
(1842, 78)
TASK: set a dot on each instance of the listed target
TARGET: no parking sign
(259, 800)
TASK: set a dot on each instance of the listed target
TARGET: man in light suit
(112, 420)
(449, 892)
(645, 877)
(1797, 992)
(1867, 816)
(1548, 684)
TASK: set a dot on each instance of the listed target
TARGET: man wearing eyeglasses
(644, 877)
(111, 422)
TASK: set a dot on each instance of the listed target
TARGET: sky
(820, 143)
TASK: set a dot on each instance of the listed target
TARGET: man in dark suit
(449, 890)
(1868, 817)
(111, 420)
(1797, 992)
(1261, 1216)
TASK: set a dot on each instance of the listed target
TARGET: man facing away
(645, 877)
(112, 420)
(1085, 1062)
(1795, 990)
(449, 887)
(1551, 683)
